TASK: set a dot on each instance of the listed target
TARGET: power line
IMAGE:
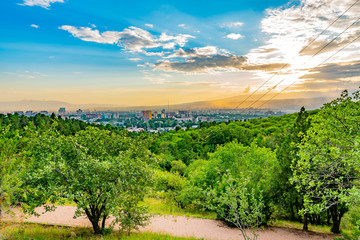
(285, 65)
(309, 71)
(320, 50)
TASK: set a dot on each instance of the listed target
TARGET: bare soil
(173, 225)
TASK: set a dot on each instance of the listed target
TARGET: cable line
(320, 50)
(285, 65)
(309, 71)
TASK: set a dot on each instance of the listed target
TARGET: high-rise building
(146, 114)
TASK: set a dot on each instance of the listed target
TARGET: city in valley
(156, 121)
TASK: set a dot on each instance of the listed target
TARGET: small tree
(97, 169)
(240, 205)
(330, 158)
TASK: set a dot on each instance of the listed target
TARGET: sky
(154, 52)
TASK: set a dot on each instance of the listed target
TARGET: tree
(12, 162)
(285, 193)
(330, 157)
(97, 169)
(240, 205)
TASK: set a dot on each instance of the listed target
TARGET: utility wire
(309, 71)
(320, 50)
(285, 65)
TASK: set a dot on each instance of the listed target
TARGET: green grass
(297, 225)
(33, 231)
(160, 207)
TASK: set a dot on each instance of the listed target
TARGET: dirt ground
(176, 226)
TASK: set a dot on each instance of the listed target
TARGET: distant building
(79, 111)
(116, 115)
(29, 113)
(146, 114)
(184, 114)
(62, 110)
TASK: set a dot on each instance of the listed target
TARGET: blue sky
(149, 52)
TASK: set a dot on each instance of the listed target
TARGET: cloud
(193, 52)
(330, 45)
(135, 59)
(232, 24)
(203, 64)
(290, 28)
(210, 59)
(132, 39)
(182, 25)
(41, 3)
(247, 90)
(25, 74)
(34, 26)
(234, 36)
(149, 25)
(336, 71)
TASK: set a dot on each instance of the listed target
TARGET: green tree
(12, 164)
(240, 205)
(97, 169)
(330, 157)
(285, 193)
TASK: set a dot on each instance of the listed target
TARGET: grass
(297, 225)
(160, 207)
(33, 231)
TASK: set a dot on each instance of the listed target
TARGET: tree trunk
(103, 222)
(305, 222)
(96, 227)
(94, 221)
(335, 218)
(328, 217)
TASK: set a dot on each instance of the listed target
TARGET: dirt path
(176, 226)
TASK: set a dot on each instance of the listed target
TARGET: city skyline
(151, 52)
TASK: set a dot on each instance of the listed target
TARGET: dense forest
(302, 167)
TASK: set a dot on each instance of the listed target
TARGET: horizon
(86, 52)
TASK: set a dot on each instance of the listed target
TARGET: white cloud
(132, 39)
(193, 52)
(232, 24)
(34, 26)
(234, 36)
(149, 25)
(90, 35)
(291, 29)
(41, 3)
(135, 59)
(182, 25)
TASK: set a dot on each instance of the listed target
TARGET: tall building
(146, 114)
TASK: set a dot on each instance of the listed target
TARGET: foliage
(97, 169)
(285, 195)
(239, 205)
(330, 157)
(12, 164)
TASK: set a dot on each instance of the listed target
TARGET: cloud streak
(41, 3)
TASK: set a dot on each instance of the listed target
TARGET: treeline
(301, 167)
(64, 126)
